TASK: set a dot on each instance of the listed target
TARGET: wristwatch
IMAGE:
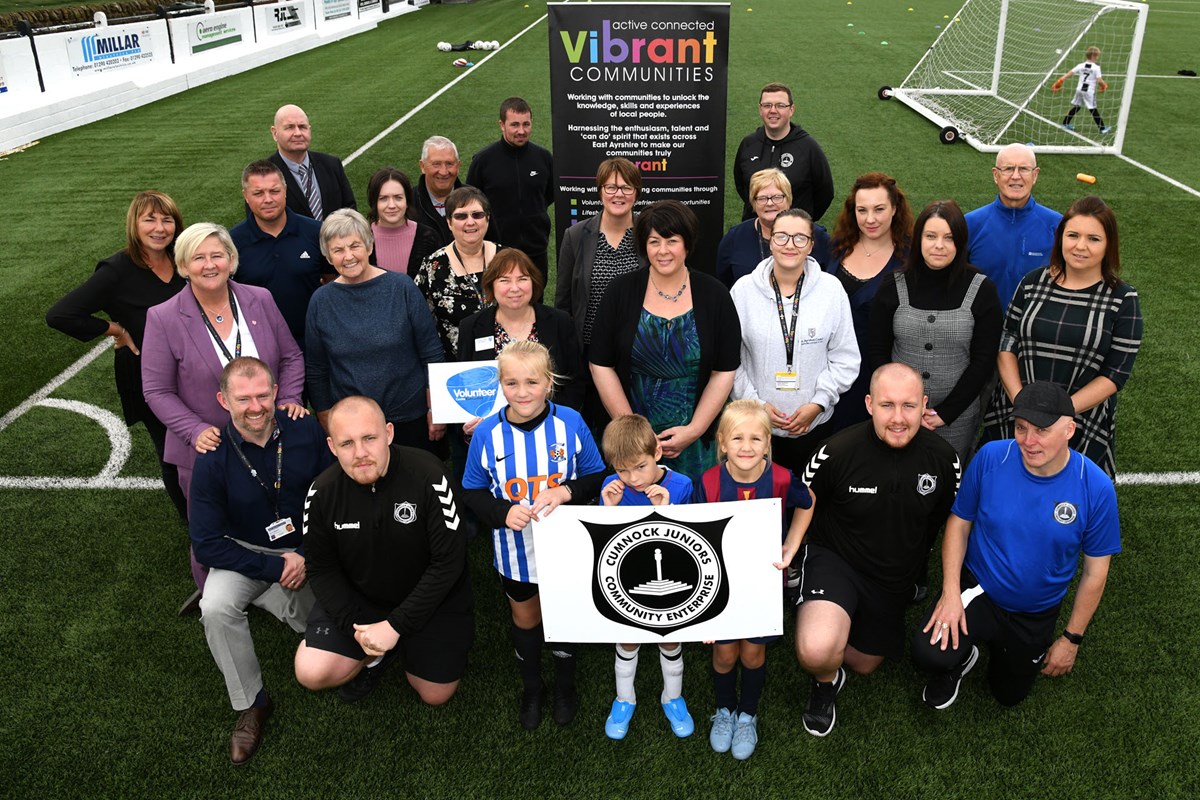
(1074, 638)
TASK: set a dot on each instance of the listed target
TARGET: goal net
(988, 77)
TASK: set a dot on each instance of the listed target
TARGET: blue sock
(261, 699)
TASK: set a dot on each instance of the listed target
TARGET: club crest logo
(558, 452)
(926, 483)
(475, 390)
(658, 574)
(404, 513)
(786, 160)
(1065, 513)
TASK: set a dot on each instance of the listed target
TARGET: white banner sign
(459, 391)
(3, 85)
(285, 17)
(660, 574)
(108, 49)
(336, 9)
(209, 33)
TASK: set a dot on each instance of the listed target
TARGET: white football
(444, 47)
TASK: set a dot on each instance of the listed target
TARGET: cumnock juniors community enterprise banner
(646, 81)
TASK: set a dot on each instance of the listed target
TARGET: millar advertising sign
(660, 573)
(648, 82)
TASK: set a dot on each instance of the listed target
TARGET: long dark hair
(1094, 207)
(948, 210)
(846, 233)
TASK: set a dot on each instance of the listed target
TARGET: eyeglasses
(763, 199)
(775, 106)
(464, 215)
(1023, 170)
(614, 188)
(781, 239)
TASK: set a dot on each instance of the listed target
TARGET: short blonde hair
(628, 438)
(735, 414)
(533, 355)
(770, 177)
(1092, 53)
(193, 236)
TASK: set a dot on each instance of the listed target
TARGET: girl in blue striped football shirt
(524, 461)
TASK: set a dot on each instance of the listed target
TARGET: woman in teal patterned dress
(667, 341)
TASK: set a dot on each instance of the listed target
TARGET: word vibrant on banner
(214, 33)
(113, 48)
(657, 574)
(459, 391)
(646, 82)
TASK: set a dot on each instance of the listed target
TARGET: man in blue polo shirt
(246, 512)
(278, 250)
(1026, 508)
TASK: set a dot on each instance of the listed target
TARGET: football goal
(990, 75)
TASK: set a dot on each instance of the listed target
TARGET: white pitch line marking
(416, 109)
(1158, 478)
(55, 382)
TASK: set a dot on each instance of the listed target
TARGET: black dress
(125, 292)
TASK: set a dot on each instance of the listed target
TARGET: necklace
(877, 249)
(218, 318)
(674, 298)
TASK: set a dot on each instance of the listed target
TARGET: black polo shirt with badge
(880, 508)
(393, 550)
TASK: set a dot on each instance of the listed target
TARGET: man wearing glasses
(1013, 234)
(517, 177)
(780, 143)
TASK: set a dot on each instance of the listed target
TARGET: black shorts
(876, 614)
(518, 591)
(436, 653)
(1017, 642)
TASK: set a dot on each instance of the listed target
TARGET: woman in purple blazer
(191, 337)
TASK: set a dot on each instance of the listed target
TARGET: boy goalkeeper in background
(1085, 92)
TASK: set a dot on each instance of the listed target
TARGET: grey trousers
(227, 595)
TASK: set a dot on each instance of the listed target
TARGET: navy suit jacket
(331, 180)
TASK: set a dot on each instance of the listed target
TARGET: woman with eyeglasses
(942, 317)
(600, 248)
(870, 241)
(748, 243)
(798, 347)
(451, 278)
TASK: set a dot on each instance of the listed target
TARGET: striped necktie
(310, 191)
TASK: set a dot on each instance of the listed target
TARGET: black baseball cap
(1043, 403)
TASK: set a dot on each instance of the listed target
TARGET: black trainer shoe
(366, 680)
(942, 689)
(821, 714)
(531, 708)
(566, 704)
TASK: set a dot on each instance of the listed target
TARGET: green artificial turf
(105, 693)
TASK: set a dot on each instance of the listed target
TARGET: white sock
(671, 662)
(378, 660)
(625, 669)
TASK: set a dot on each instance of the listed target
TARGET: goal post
(988, 76)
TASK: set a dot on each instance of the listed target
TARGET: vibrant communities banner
(647, 82)
(660, 574)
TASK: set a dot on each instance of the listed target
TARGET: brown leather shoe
(248, 732)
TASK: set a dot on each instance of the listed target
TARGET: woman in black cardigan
(510, 283)
(124, 286)
(667, 341)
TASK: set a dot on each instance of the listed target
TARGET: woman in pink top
(401, 243)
